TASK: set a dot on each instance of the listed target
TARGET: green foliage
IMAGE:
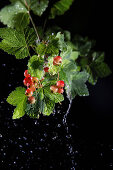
(19, 111)
(60, 7)
(17, 43)
(56, 97)
(18, 98)
(62, 44)
(53, 69)
(49, 107)
(94, 65)
(48, 47)
(83, 45)
(21, 21)
(34, 110)
(35, 66)
(45, 102)
(8, 13)
(78, 86)
(37, 6)
(79, 61)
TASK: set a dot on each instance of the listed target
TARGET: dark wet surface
(45, 144)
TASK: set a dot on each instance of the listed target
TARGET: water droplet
(17, 157)
(23, 151)
(0, 135)
(45, 134)
(110, 164)
(31, 151)
(101, 154)
(59, 125)
(4, 154)
(68, 136)
(24, 138)
(9, 85)
(3, 65)
(20, 146)
(54, 138)
(27, 144)
(76, 152)
(40, 148)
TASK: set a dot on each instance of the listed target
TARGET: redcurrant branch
(58, 76)
(28, 7)
(34, 26)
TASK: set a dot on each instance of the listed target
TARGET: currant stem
(58, 77)
(34, 25)
(28, 7)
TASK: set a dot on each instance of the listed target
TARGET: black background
(91, 118)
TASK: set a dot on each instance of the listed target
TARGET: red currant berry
(26, 73)
(60, 83)
(46, 69)
(29, 92)
(60, 90)
(31, 100)
(57, 60)
(34, 80)
(27, 81)
(54, 89)
(32, 87)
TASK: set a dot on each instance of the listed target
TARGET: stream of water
(69, 137)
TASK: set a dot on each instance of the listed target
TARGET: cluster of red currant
(58, 88)
(31, 83)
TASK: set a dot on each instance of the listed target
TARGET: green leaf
(48, 107)
(74, 55)
(102, 69)
(42, 105)
(16, 96)
(83, 45)
(62, 44)
(34, 110)
(66, 54)
(50, 47)
(20, 110)
(92, 76)
(41, 49)
(37, 6)
(67, 35)
(53, 69)
(55, 97)
(17, 43)
(49, 80)
(60, 7)
(98, 57)
(35, 66)
(21, 21)
(78, 84)
(8, 12)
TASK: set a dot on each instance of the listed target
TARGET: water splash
(70, 153)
